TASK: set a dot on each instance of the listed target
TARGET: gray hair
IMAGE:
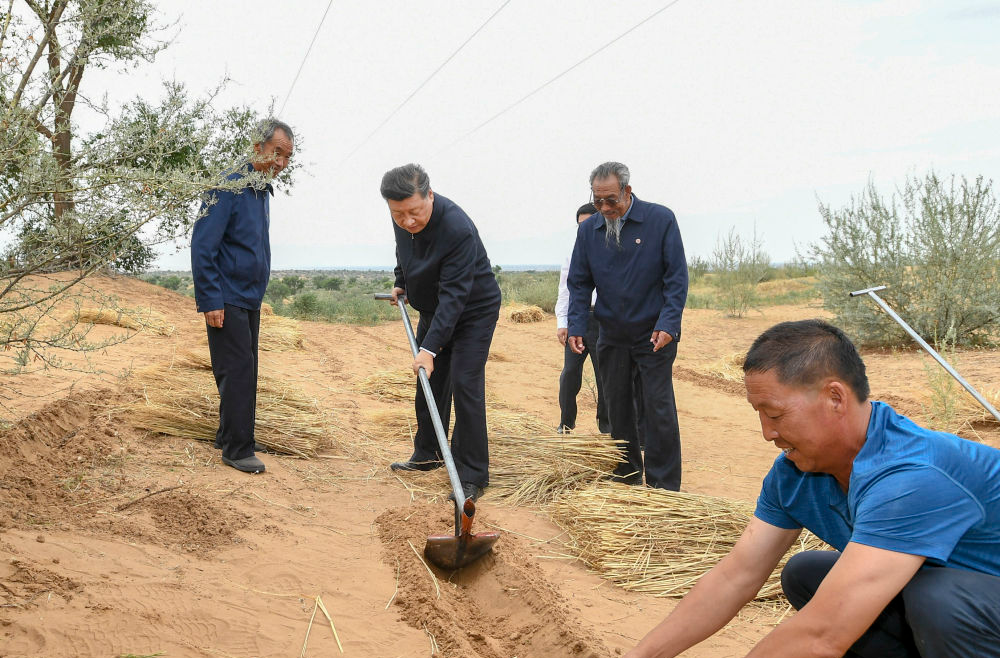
(403, 182)
(264, 131)
(616, 169)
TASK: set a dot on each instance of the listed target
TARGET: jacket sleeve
(562, 300)
(454, 287)
(580, 283)
(675, 281)
(206, 239)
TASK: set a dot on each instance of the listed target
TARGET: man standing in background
(231, 264)
(572, 373)
(631, 252)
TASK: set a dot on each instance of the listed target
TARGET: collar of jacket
(248, 169)
(635, 213)
(436, 212)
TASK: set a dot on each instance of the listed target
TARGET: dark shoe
(473, 491)
(248, 464)
(604, 427)
(411, 465)
(625, 475)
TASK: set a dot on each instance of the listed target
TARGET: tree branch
(50, 27)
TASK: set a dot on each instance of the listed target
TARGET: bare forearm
(710, 605)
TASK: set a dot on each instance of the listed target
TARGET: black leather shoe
(411, 465)
(248, 464)
(473, 491)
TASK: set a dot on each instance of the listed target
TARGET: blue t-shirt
(912, 490)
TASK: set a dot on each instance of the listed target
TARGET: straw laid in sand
(389, 385)
(529, 463)
(655, 541)
(279, 334)
(180, 399)
(138, 319)
(728, 368)
(522, 313)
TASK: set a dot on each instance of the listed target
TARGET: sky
(731, 113)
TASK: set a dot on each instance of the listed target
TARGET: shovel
(462, 548)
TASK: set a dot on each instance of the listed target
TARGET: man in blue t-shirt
(914, 516)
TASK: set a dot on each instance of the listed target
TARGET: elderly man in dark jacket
(631, 251)
(230, 264)
(444, 272)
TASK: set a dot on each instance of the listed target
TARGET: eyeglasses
(599, 203)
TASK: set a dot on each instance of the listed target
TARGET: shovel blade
(451, 552)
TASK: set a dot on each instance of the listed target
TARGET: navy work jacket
(231, 247)
(445, 271)
(641, 286)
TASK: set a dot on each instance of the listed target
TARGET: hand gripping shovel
(462, 548)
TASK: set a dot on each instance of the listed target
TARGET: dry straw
(137, 319)
(279, 334)
(388, 385)
(529, 463)
(655, 541)
(180, 399)
(522, 313)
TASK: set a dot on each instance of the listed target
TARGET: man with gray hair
(631, 252)
(231, 264)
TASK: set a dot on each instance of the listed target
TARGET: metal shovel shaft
(425, 383)
(930, 350)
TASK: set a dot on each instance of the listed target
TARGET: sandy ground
(218, 563)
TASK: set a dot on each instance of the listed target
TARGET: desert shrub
(294, 282)
(697, 268)
(306, 305)
(738, 265)
(323, 282)
(934, 243)
(276, 291)
(172, 282)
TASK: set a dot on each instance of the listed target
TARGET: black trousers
(662, 463)
(233, 349)
(459, 375)
(941, 613)
(572, 377)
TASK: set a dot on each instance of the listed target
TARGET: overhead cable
(305, 57)
(553, 79)
(421, 85)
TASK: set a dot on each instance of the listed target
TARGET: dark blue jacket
(445, 271)
(231, 248)
(641, 287)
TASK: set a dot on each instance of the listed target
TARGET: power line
(422, 84)
(551, 80)
(305, 57)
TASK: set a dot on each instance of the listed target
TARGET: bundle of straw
(137, 319)
(279, 334)
(266, 309)
(388, 385)
(180, 399)
(729, 368)
(529, 463)
(522, 313)
(655, 541)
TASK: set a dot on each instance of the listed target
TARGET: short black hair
(403, 182)
(804, 352)
(264, 130)
(586, 209)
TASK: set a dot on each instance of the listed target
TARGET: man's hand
(396, 292)
(859, 586)
(562, 335)
(424, 360)
(660, 339)
(215, 318)
(576, 344)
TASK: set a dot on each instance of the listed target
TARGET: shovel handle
(445, 449)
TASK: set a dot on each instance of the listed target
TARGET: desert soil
(219, 563)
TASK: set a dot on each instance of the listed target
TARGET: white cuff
(424, 349)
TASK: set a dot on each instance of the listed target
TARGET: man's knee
(803, 573)
(954, 612)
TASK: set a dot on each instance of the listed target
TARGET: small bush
(738, 266)
(306, 305)
(934, 243)
(697, 268)
(172, 282)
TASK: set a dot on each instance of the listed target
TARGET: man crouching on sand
(914, 516)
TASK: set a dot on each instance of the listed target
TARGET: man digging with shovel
(444, 272)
